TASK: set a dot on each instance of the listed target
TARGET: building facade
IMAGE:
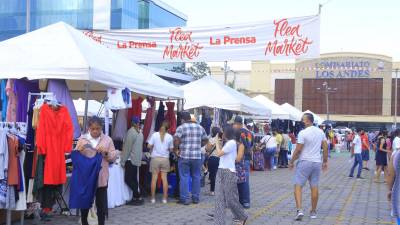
(362, 85)
(84, 14)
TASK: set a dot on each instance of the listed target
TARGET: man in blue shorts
(308, 167)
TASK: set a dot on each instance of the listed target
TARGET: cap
(135, 120)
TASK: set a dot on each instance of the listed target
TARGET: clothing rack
(42, 95)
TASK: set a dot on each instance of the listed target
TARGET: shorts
(159, 164)
(306, 170)
(365, 155)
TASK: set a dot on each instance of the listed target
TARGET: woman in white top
(227, 195)
(160, 145)
(268, 142)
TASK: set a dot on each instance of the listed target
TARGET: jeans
(244, 188)
(357, 161)
(283, 158)
(213, 163)
(189, 168)
(270, 153)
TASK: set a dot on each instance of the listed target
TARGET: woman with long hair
(213, 159)
(227, 195)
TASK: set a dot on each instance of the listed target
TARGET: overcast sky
(371, 26)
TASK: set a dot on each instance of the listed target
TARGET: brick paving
(342, 201)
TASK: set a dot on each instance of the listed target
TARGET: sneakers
(164, 201)
(313, 215)
(274, 167)
(152, 201)
(299, 215)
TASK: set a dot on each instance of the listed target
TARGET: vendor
(96, 140)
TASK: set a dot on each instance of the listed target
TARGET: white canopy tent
(59, 51)
(317, 119)
(95, 108)
(276, 110)
(208, 92)
(295, 114)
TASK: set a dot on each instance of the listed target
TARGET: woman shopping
(227, 195)
(160, 145)
(91, 163)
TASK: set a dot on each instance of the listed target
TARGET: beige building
(364, 85)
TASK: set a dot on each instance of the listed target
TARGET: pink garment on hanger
(12, 102)
(170, 116)
(149, 118)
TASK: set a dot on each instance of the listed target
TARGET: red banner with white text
(285, 38)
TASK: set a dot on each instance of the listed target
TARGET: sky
(371, 26)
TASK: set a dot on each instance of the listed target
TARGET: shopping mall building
(362, 86)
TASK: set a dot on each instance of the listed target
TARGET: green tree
(199, 70)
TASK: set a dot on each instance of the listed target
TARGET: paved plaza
(342, 201)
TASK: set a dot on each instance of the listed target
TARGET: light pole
(326, 90)
(225, 72)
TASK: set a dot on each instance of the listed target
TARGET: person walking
(308, 153)
(131, 160)
(279, 142)
(396, 141)
(283, 153)
(227, 195)
(356, 150)
(188, 140)
(381, 155)
(96, 141)
(365, 149)
(393, 183)
(268, 143)
(213, 160)
(160, 144)
(247, 139)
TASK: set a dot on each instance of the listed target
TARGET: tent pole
(85, 119)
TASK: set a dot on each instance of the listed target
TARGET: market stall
(210, 93)
(276, 111)
(66, 64)
(295, 114)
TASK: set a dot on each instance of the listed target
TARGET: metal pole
(225, 72)
(395, 100)
(28, 15)
(327, 102)
(87, 86)
(319, 9)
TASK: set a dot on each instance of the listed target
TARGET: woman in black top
(381, 155)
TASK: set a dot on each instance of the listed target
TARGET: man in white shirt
(308, 167)
(396, 141)
(356, 150)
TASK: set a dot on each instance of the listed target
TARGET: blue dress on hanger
(84, 178)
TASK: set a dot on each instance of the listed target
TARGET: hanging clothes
(30, 143)
(4, 99)
(53, 139)
(160, 117)
(153, 125)
(84, 179)
(118, 98)
(121, 125)
(3, 155)
(170, 117)
(118, 192)
(149, 118)
(12, 102)
(206, 122)
(21, 203)
(22, 88)
(13, 176)
(136, 109)
(60, 90)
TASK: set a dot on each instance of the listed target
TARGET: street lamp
(326, 89)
